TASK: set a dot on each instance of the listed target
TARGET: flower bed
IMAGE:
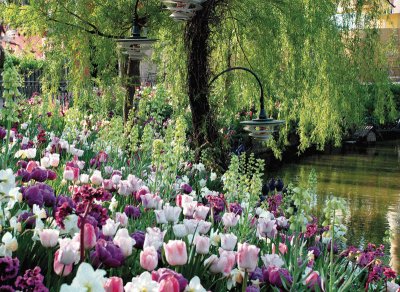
(84, 210)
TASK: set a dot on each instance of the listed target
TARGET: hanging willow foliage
(323, 73)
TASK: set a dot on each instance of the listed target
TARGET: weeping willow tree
(314, 63)
(323, 65)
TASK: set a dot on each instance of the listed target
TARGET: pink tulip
(154, 237)
(169, 284)
(49, 237)
(230, 219)
(114, 284)
(182, 200)
(175, 252)
(228, 241)
(283, 249)
(203, 227)
(267, 227)
(223, 264)
(54, 159)
(96, 178)
(178, 200)
(202, 244)
(150, 201)
(201, 212)
(313, 280)
(71, 173)
(31, 166)
(59, 268)
(89, 237)
(189, 208)
(141, 192)
(149, 258)
(247, 256)
(122, 218)
(108, 184)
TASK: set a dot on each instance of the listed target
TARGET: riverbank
(367, 178)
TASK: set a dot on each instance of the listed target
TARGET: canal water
(368, 179)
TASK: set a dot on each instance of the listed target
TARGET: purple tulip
(186, 188)
(27, 218)
(257, 274)
(33, 196)
(39, 194)
(22, 164)
(107, 254)
(24, 174)
(271, 184)
(274, 276)
(138, 236)
(252, 288)
(38, 174)
(316, 251)
(132, 211)
(279, 185)
(51, 175)
(3, 133)
(236, 208)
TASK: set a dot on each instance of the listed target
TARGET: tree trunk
(197, 45)
(2, 57)
(132, 80)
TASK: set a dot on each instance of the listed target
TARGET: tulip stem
(7, 144)
(331, 254)
(48, 276)
(59, 280)
(244, 285)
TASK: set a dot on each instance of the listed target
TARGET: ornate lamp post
(263, 127)
(136, 45)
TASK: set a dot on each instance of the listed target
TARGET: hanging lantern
(183, 9)
(135, 47)
(261, 128)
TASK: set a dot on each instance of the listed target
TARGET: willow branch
(391, 4)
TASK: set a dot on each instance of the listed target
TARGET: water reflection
(370, 183)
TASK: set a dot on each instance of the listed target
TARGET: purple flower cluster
(8, 268)
(31, 281)
(274, 203)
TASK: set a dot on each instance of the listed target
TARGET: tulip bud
(149, 258)
(175, 252)
(60, 268)
(247, 256)
(89, 236)
(114, 284)
(49, 237)
(202, 244)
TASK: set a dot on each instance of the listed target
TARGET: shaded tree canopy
(313, 62)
